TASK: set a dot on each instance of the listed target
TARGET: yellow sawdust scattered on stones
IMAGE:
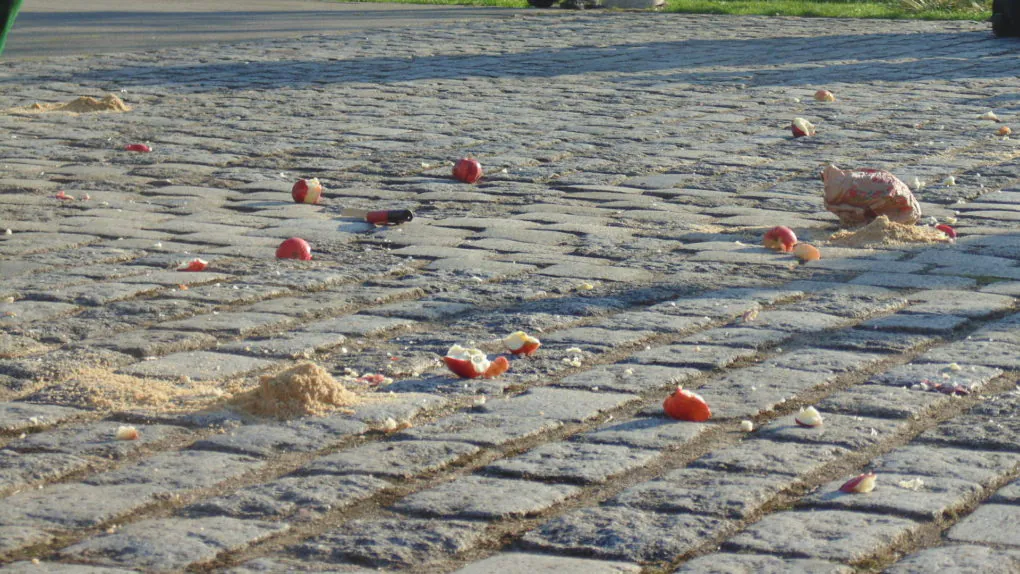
(302, 390)
(100, 388)
(82, 105)
(881, 231)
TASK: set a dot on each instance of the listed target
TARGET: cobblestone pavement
(633, 161)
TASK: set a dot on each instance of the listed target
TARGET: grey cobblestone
(474, 497)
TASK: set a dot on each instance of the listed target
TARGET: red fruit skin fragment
(462, 368)
(497, 367)
(142, 148)
(947, 230)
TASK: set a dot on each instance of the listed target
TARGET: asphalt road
(76, 27)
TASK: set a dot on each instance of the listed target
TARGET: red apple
(467, 170)
(306, 191)
(824, 96)
(780, 238)
(294, 248)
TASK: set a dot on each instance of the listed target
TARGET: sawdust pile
(102, 389)
(302, 390)
(881, 231)
(82, 105)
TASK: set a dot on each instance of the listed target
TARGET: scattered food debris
(142, 148)
(376, 379)
(8, 232)
(859, 196)
(950, 180)
(306, 191)
(990, 116)
(914, 484)
(62, 195)
(294, 248)
(882, 231)
(802, 128)
(805, 252)
(127, 433)
(521, 343)
(860, 484)
(686, 406)
(780, 238)
(746, 426)
(957, 389)
(193, 265)
(302, 390)
(808, 417)
(1004, 131)
(380, 217)
(824, 96)
(467, 170)
(949, 231)
(749, 315)
(470, 363)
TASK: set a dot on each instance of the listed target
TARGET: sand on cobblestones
(882, 231)
(82, 105)
(302, 390)
(102, 389)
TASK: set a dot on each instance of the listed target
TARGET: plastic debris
(859, 196)
(686, 406)
(467, 170)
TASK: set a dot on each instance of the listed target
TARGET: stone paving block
(1009, 494)
(169, 544)
(851, 432)
(155, 343)
(177, 471)
(766, 457)
(989, 524)
(652, 321)
(482, 429)
(69, 506)
(96, 294)
(357, 325)
(725, 563)
(913, 281)
(753, 390)
(898, 494)
(586, 337)
(959, 559)
(22, 312)
(598, 272)
(872, 341)
(823, 360)
(197, 366)
(973, 377)
(286, 345)
(520, 563)
(18, 470)
(289, 495)
(421, 310)
(971, 352)
(241, 324)
(1005, 330)
(959, 303)
(395, 543)
(693, 356)
(750, 338)
(703, 491)
(17, 537)
(864, 302)
(268, 439)
(883, 402)
(797, 321)
(286, 566)
(655, 433)
(628, 378)
(97, 438)
(401, 459)
(20, 417)
(620, 533)
(939, 461)
(58, 568)
(573, 462)
(479, 497)
(715, 308)
(836, 535)
(991, 425)
(565, 405)
(917, 323)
